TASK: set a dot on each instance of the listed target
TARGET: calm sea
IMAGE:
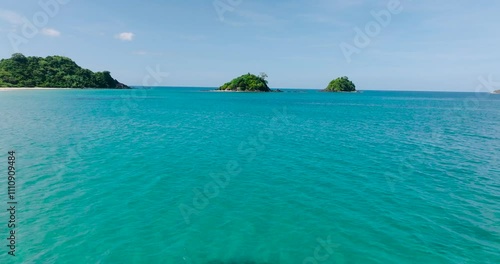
(182, 175)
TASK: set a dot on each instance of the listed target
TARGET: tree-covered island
(342, 84)
(54, 72)
(247, 83)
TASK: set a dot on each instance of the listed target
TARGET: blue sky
(426, 45)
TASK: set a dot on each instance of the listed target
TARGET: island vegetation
(52, 71)
(342, 84)
(247, 83)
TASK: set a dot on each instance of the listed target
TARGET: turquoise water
(186, 176)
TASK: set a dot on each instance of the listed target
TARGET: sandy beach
(27, 88)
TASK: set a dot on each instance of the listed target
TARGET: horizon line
(315, 89)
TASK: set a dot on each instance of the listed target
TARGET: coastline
(28, 88)
(55, 88)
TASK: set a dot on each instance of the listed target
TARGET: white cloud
(341, 4)
(322, 19)
(147, 53)
(11, 17)
(193, 37)
(50, 32)
(250, 18)
(125, 36)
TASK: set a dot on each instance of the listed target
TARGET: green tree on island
(342, 84)
(248, 82)
(52, 71)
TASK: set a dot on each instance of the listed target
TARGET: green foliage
(342, 84)
(52, 71)
(247, 82)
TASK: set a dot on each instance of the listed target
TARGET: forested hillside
(52, 71)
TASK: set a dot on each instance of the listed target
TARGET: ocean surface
(182, 175)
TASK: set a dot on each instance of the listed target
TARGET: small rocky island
(496, 92)
(53, 72)
(342, 84)
(247, 83)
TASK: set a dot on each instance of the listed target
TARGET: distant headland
(496, 92)
(342, 84)
(54, 72)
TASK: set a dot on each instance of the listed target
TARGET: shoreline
(54, 88)
(34, 88)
